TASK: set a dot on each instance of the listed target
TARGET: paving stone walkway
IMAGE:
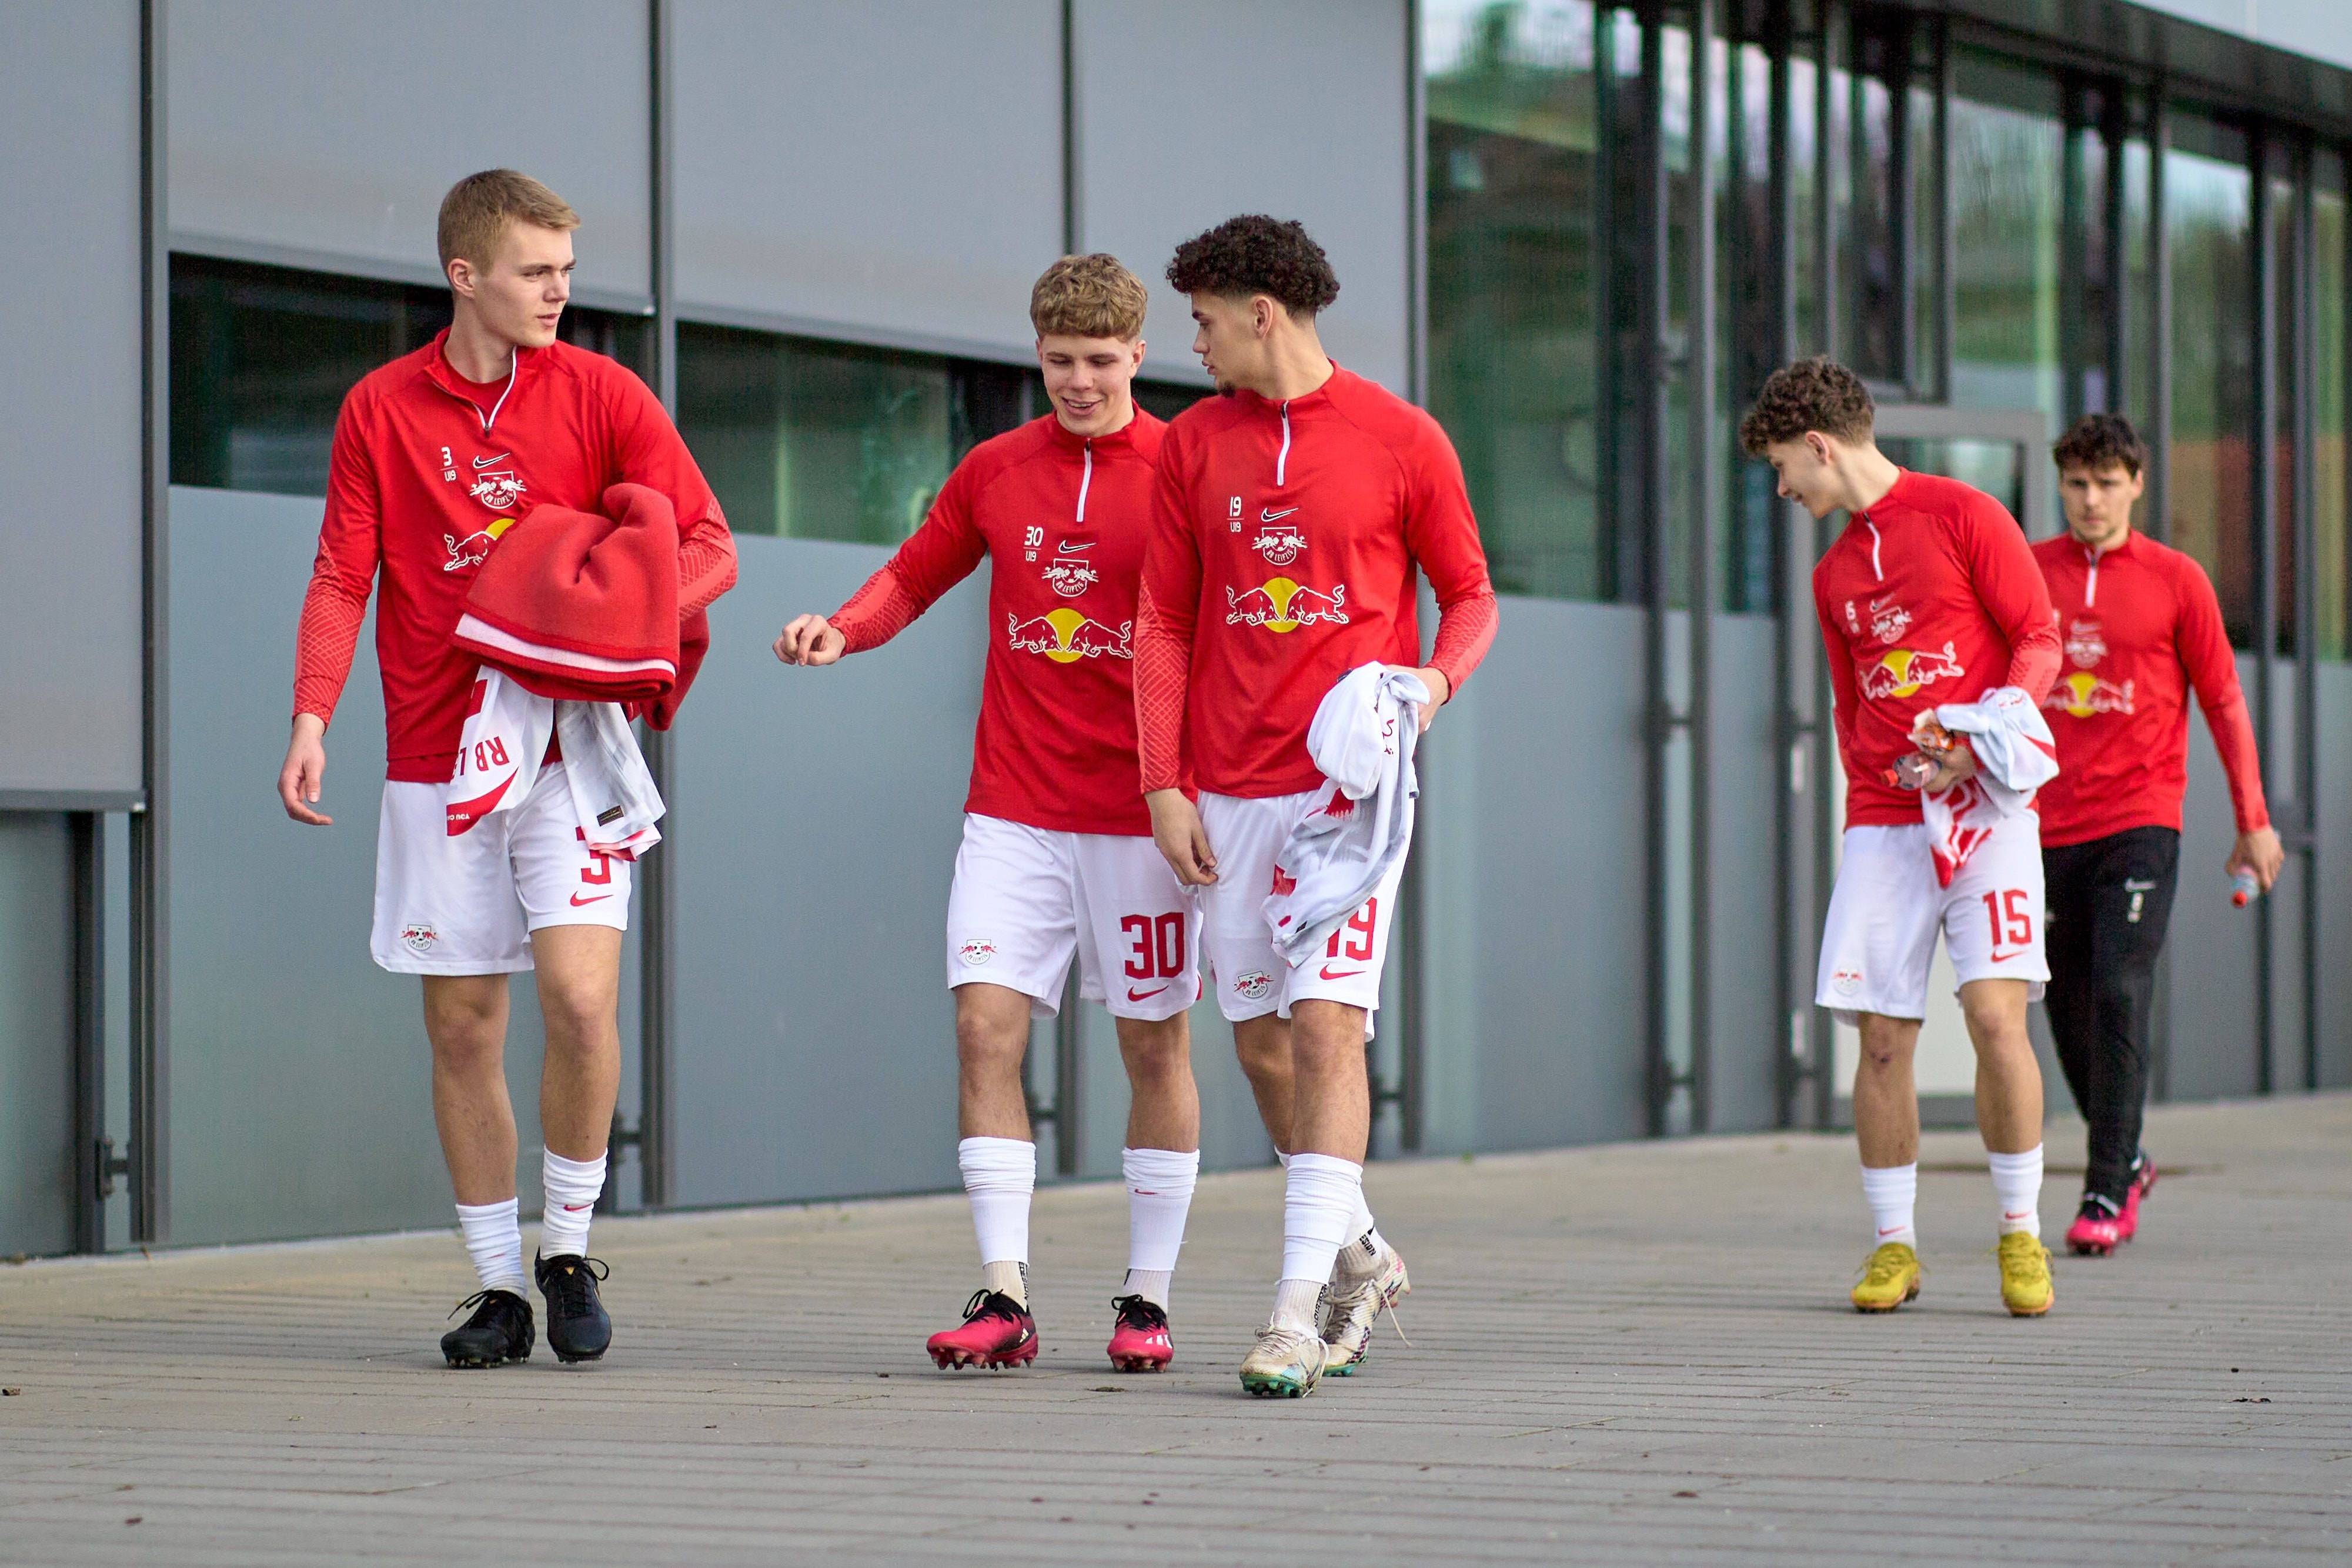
(1637, 1354)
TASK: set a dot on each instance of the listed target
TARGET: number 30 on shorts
(1159, 947)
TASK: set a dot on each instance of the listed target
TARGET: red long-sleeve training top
(1930, 596)
(1284, 539)
(1062, 519)
(427, 471)
(2141, 626)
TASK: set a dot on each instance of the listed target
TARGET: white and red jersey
(1285, 540)
(1930, 596)
(1062, 521)
(427, 470)
(2141, 626)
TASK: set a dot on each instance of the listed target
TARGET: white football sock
(2017, 1184)
(1892, 1192)
(1294, 1304)
(494, 1241)
(573, 1188)
(999, 1175)
(1160, 1184)
(1319, 1200)
(1151, 1284)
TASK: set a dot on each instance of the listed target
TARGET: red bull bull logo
(1901, 672)
(1254, 986)
(474, 548)
(1065, 636)
(1887, 619)
(497, 491)
(2083, 694)
(1282, 605)
(1279, 543)
(2087, 643)
(419, 936)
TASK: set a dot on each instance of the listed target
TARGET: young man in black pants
(2142, 627)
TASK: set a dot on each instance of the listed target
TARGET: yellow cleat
(2025, 1287)
(1889, 1278)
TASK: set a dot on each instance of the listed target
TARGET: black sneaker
(578, 1328)
(500, 1331)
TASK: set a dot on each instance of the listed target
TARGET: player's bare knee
(1156, 1051)
(1886, 1044)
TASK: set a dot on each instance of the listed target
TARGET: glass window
(2280, 196)
(2330, 499)
(2208, 494)
(2007, 145)
(1513, 169)
(261, 356)
(1749, 305)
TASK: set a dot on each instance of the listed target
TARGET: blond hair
(1088, 296)
(478, 209)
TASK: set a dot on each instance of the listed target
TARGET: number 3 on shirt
(1159, 947)
(1357, 933)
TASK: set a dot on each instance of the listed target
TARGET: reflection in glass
(2208, 494)
(2328, 238)
(2280, 211)
(815, 440)
(1749, 319)
(2007, 142)
(1996, 468)
(1513, 371)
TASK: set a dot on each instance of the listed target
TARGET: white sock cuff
(1882, 1182)
(1171, 1172)
(479, 1212)
(2016, 1167)
(997, 1164)
(574, 1175)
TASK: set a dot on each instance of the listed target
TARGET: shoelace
(480, 1298)
(1140, 1313)
(1878, 1270)
(980, 1305)
(568, 1289)
(1369, 1284)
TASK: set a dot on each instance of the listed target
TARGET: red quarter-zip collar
(443, 375)
(1070, 441)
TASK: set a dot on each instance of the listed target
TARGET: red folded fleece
(583, 606)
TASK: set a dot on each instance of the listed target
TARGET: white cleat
(1352, 1303)
(1284, 1361)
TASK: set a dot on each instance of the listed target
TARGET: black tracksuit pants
(2108, 901)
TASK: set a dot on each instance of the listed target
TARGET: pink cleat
(1139, 1343)
(2098, 1231)
(997, 1332)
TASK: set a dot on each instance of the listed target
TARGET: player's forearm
(877, 612)
(706, 568)
(1466, 630)
(2034, 660)
(2232, 728)
(324, 643)
(1163, 667)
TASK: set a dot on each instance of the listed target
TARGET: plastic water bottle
(2245, 887)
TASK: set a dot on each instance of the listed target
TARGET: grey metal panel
(332, 128)
(36, 1019)
(2335, 826)
(2210, 943)
(894, 166)
(1188, 114)
(1532, 831)
(69, 417)
(1747, 773)
(300, 1073)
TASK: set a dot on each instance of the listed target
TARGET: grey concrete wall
(299, 1074)
(70, 407)
(1184, 92)
(1747, 774)
(332, 128)
(1533, 872)
(892, 168)
(2335, 805)
(36, 1086)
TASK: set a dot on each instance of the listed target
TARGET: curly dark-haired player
(2142, 627)
(1291, 516)
(1928, 596)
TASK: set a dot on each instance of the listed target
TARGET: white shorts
(1026, 900)
(1887, 908)
(1250, 977)
(468, 905)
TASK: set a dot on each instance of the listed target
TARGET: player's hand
(300, 781)
(2259, 851)
(811, 640)
(1958, 763)
(1176, 829)
(1439, 690)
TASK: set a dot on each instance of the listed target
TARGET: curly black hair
(1817, 393)
(1254, 254)
(2097, 440)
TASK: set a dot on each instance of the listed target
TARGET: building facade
(1580, 233)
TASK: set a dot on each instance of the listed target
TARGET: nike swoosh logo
(1135, 996)
(1328, 973)
(482, 462)
(1891, 1231)
(1067, 548)
(1268, 515)
(579, 903)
